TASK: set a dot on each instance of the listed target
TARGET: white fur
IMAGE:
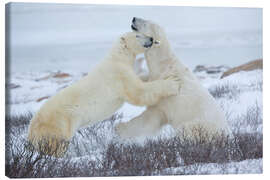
(99, 94)
(191, 109)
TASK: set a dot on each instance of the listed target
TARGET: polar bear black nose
(134, 19)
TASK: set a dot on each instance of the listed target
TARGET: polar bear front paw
(174, 81)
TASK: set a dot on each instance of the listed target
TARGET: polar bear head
(131, 44)
(147, 29)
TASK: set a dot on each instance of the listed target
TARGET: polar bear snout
(145, 41)
(137, 20)
(148, 42)
(134, 19)
(133, 25)
(137, 24)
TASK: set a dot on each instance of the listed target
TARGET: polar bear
(191, 110)
(96, 97)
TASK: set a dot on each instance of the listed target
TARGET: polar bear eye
(157, 42)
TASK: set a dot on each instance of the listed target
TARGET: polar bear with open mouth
(193, 108)
(97, 96)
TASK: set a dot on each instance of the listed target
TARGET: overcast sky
(48, 22)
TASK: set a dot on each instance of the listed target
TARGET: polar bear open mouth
(145, 41)
(133, 27)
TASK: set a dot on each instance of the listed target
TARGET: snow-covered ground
(53, 46)
(251, 166)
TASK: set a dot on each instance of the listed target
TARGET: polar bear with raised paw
(97, 96)
(192, 109)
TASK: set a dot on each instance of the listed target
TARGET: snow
(129, 111)
(35, 85)
(248, 92)
(250, 166)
